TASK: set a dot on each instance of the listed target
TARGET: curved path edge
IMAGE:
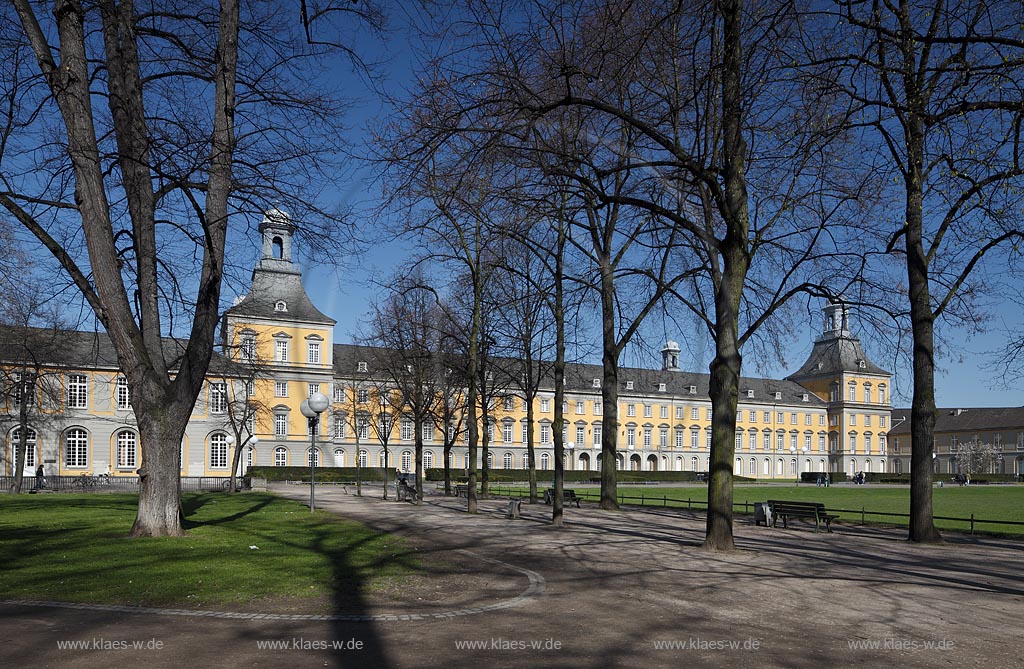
(534, 590)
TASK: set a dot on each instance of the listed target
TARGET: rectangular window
(707, 413)
(680, 439)
(766, 442)
(405, 432)
(680, 413)
(362, 396)
(313, 352)
(766, 417)
(597, 407)
(780, 442)
(647, 411)
(218, 397)
(694, 413)
(280, 425)
(509, 403)
(753, 416)
(853, 393)
(630, 409)
(663, 437)
(752, 441)
(250, 388)
(545, 406)
(339, 427)
(807, 442)
(821, 420)
(867, 443)
(580, 408)
(853, 419)
(882, 422)
(123, 395)
(545, 433)
(867, 420)
(339, 392)
(780, 417)
(428, 431)
(280, 389)
(821, 443)
(807, 419)
(694, 438)
(218, 452)
(739, 440)
(506, 433)
(792, 419)
(581, 435)
(281, 350)
(78, 391)
(524, 432)
(313, 389)
(708, 439)
(664, 412)
(647, 437)
(631, 436)
(598, 432)
(881, 395)
(364, 429)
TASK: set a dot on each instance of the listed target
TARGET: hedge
(324, 474)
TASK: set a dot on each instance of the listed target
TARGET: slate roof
(833, 355)
(271, 285)
(81, 350)
(968, 420)
(579, 378)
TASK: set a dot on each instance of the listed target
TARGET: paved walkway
(613, 589)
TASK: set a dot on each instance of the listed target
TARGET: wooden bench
(786, 510)
(568, 496)
(462, 490)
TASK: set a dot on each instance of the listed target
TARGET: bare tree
(157, 125)
(238, 372)
(406, 327)
(941, 87)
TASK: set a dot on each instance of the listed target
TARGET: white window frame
(78, 391)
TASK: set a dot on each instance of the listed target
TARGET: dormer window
(280, 305)
(750, 393)
(693, 390)
(778, 395)
(629, 385)
(360, 366)
(597, 383)
(805, 397)
(862, 364)
(661, 387)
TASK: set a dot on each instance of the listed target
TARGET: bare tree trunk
(159, 492)
(922, 412)
(531, 452)
(609, 392)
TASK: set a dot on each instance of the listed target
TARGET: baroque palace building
(832, 415)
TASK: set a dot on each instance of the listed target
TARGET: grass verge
(241, 551)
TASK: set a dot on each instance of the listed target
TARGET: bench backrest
(780, 505)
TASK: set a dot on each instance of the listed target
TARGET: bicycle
(85, 482)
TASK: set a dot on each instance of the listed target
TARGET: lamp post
(311, 409)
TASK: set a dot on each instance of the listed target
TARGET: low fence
(664, 501)
(84, 483)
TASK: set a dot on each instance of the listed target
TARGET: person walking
(40, 477)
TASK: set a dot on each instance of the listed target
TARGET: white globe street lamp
(311, 409)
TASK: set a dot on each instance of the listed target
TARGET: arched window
(76, 448)
(506, 461)
(490, 460)
(218, 450)
(127, 450)
(250, 456)
(30, 447)
(406, 461)
(280, 456)
(277, 248)
(767, 467)
(545, 461)
(428, 459)
(339, 457)
(752, 467)
(313, 457)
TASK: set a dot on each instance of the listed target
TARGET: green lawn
(240, 549)
(988, 502)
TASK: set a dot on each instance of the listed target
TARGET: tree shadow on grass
(191, 504)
